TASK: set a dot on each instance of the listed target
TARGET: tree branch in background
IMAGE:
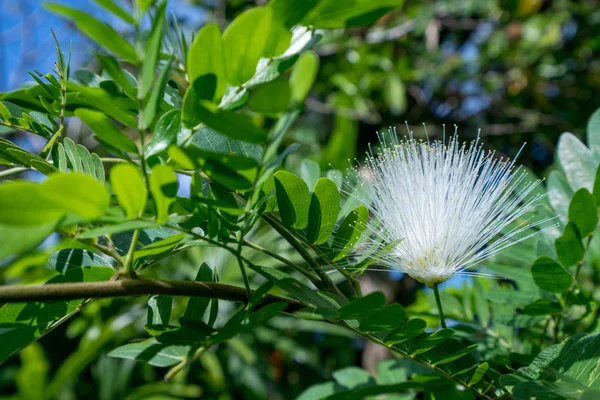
(132, 287)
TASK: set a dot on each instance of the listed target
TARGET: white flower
(445, 207)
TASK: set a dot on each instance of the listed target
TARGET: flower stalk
(438, 302)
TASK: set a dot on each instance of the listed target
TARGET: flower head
(445, 206)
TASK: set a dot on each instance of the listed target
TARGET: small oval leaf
(163, 185)
(383, 320)
(412, 328)
(350, 231)
(293, 199)
(206, 56)
(128, 184)
(569, 247)
(362, 307)
(323, 211)
(550, 276)
(583, 212)
(303, 76)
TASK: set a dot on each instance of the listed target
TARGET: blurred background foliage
(518, 70)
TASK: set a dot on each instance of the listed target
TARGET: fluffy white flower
(444, 207)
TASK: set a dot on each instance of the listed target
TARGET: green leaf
(333, 14)
(23, 323)
(114, 8)
(596, 191)
(293, 199)
(105, 130)
(151, 53)
(13, 153)
(112, 229)
(18, 238)
(159, 309)
(542, 307)
(98, 168)
(362, 307)
(65, 259)
(198, 157)
(80, 194)
(394, 93)
(163, 185)
(100, 99)
(583, 212)
(245, 41)
(111, 67)
(323, 211)
(569, 247)
(206, 56)
(350, 231)
(510, 296)
(479, 373)
(593, 133)
(384, 320)
(197, 305)
(100, 32)
(26, 203)
(560, 371)
(294, 287)
(202, 88)
(152, 352)
(73, 155)
(210, 163)
(310, 172)
(518, 321)
(410, 329)
(448, 358)
(128, 184)
(156, 97)
(576, 161)
(291, 12)
(482, 307)
(86, 160)
(550, 276)
(352, 377)
(164, 133)
(243, 322)
(431, 341)
(159, 248)
(303, 76)
(22, 203)
(234, 125)
(211, 140)
(270, 98)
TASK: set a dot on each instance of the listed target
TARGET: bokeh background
(512, 71)
(519, 70)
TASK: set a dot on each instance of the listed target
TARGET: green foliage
(128, 185)
(550, 275)
(163, 186)
(206, 57)
(293, 200)
(212, 156)
(565, 370)
(98, 31)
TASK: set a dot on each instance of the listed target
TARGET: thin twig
(285, 261)
(304, 254)
(12, 171)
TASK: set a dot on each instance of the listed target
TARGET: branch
(132, 287)
(12, 171)
(303, 253)
(391, 34)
